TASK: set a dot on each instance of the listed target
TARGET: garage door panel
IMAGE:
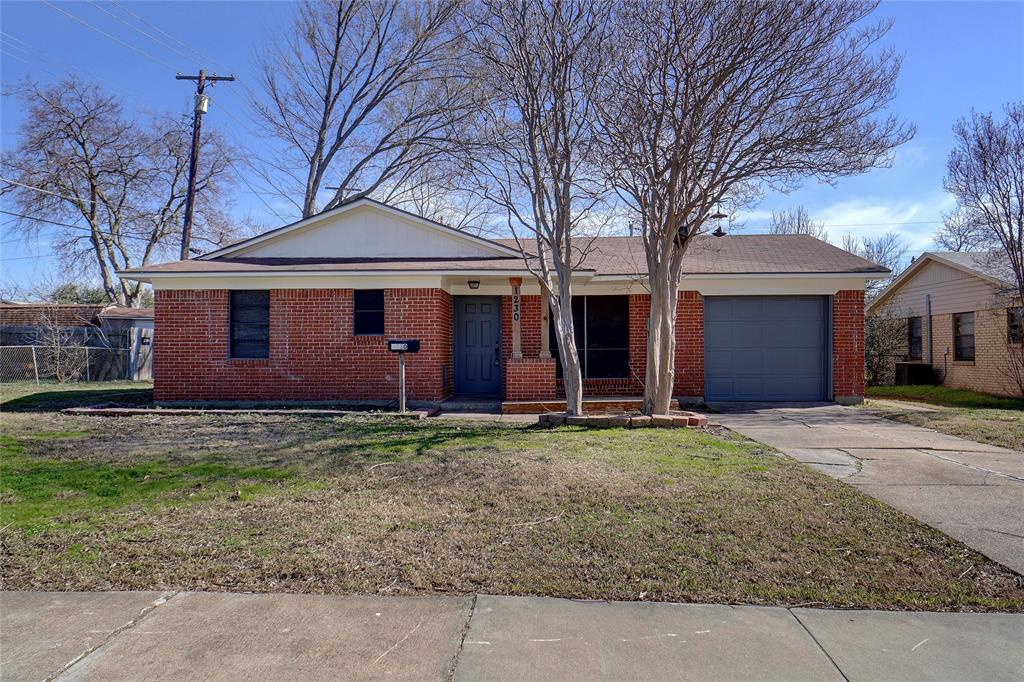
(765, 347)
(800, 334)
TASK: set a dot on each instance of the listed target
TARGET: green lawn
(27, 396)
(976, 416)
(353, 505)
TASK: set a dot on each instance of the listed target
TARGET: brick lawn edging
(678, 419)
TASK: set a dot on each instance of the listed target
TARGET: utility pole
(202, 102)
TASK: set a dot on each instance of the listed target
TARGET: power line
(108, 35)
(75, 227)
(40, 189)
(139, 30)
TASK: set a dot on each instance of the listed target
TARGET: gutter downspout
(928, 312)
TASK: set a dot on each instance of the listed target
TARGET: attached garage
(772, 348)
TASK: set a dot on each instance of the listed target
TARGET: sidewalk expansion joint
(160, 601)
(462, 640)
(825, 653)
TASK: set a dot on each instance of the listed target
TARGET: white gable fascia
(916, 267)
(398, 234)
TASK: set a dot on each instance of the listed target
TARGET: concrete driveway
(970, 491)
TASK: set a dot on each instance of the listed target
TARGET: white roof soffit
(341, 210)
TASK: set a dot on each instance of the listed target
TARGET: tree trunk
(572, 377)
(661, 343)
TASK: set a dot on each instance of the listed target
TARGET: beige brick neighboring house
(942, 294)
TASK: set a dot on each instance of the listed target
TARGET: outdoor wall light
(474, 284)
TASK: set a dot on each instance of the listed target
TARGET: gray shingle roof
(708, 255)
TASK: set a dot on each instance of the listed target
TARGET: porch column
(545, 329)
(517, 299)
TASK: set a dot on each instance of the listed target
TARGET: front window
(914, 338)
(368, 312)
(250, 324)
(963, 336)
(1015, 325)
(601, 328)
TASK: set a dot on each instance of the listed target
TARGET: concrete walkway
(220, 636)
(970, 491)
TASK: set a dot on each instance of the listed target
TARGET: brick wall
(530, 379)
(992, 370)
(313, 353)
(848, 345)
(690, 345)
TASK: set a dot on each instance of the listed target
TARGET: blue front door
(478, 345)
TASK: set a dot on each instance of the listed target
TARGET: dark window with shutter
(1015, 325)
(601, 328)
(250, 324)
(368, 315)
(914, 338)
(963, 336)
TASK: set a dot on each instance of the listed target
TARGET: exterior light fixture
(474, 284)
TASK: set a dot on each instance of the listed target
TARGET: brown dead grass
(289, 503)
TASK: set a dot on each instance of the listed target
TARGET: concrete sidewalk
(221, 636)
(970, 491)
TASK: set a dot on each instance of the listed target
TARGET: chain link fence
(68, 363)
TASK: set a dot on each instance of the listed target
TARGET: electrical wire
(145, 54)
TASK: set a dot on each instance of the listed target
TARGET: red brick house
(302, 313)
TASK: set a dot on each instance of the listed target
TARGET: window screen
(250, 324)
(963, 335)
(368, 315)
(914, 338)
(601, 328)
(1015, 325)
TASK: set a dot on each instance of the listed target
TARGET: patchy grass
(350, 505)
(976, 416)
(27, 396)
(944, 396)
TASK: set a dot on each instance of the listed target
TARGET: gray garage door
(765, 348)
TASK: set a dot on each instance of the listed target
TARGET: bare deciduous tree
(363, 93)
(708, 99)
(532, 154)
(888, 250)
(985, 173)
(78, 159)
(961, 232)
(797, 221)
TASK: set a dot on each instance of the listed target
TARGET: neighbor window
(601, 328)
(914, 338)
(1015, 325)
(963, 336)
(250, 324)
(368, 315)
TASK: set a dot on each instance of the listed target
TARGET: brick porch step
(603, 405)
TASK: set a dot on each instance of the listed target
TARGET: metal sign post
(402, 346)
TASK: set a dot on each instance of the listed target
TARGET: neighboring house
(962, 317)
(302, 313)
(120, 335)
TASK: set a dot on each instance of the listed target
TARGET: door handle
(497, 356)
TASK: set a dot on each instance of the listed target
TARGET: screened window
(963, 336)
(250, 324)
(914, 338)
(601, 327)
(1015, 325)
(368, 315)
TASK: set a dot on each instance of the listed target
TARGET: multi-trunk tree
(533, 149)
(706, 100)
(112, 189)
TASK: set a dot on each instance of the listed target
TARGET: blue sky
(957, 56)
